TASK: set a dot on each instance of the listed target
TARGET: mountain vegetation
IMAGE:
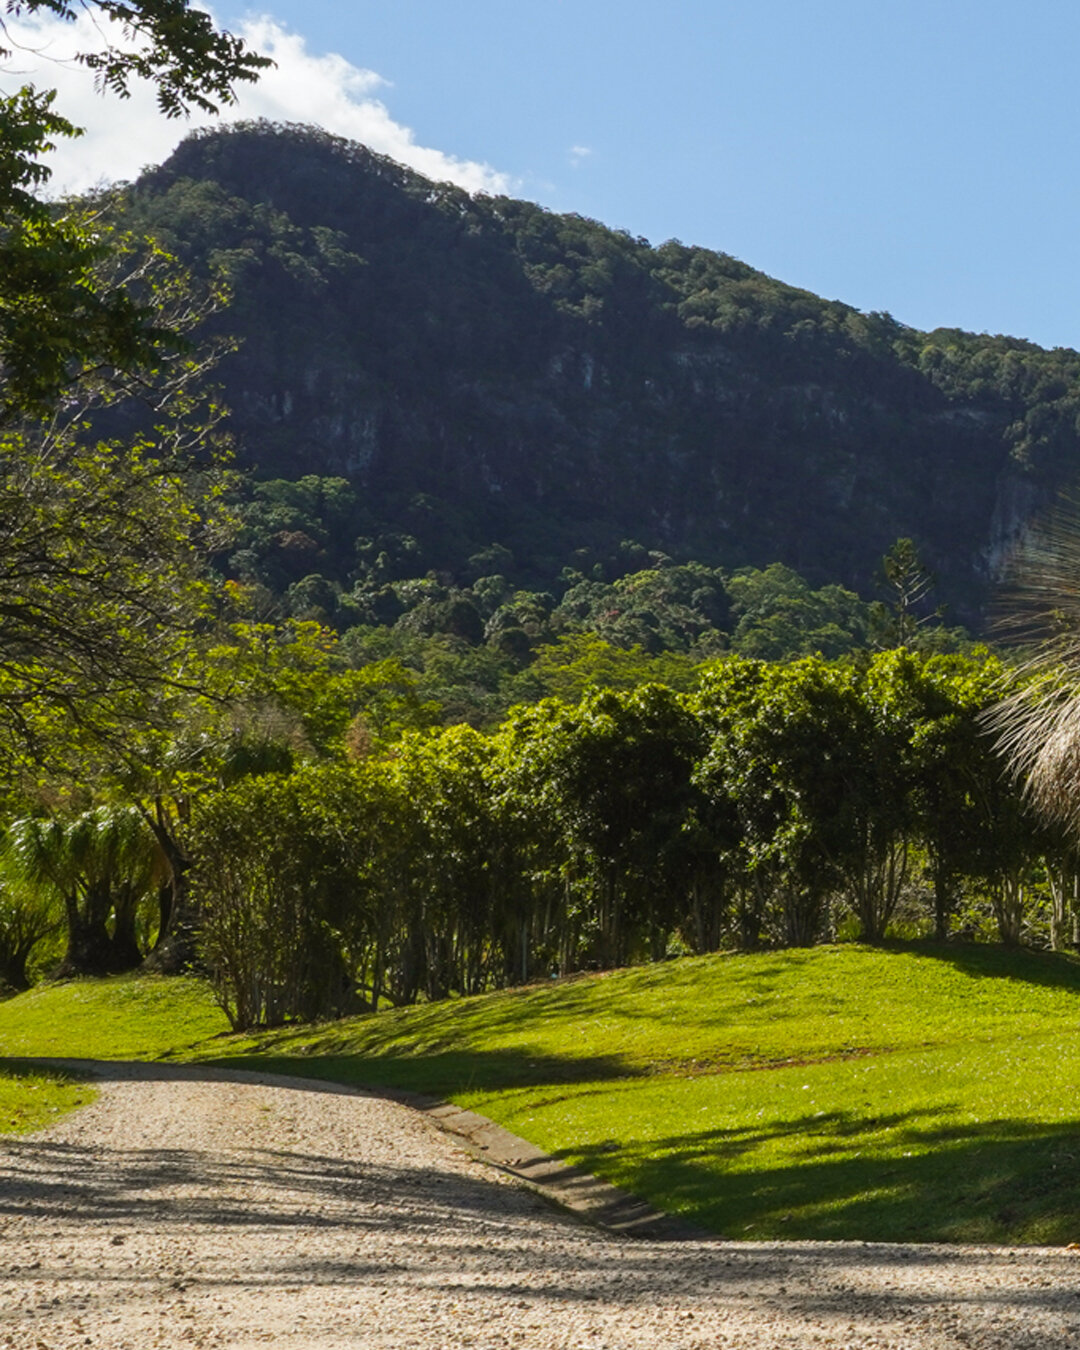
(512, 392)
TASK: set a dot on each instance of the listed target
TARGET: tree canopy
(172, 43)
(67, 308)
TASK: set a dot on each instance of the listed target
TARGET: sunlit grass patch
(900, 1094)
(126, 1017)
(706, 1014)
(974, 1143)
(30, 1099)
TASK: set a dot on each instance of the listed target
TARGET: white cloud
(122, 136)
(578, 154)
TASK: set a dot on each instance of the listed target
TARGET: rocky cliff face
(488, 371)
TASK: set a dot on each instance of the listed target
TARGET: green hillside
(142, 1017)
(484, 372)
(913, 1093)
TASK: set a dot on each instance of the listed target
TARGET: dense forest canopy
(484, 372)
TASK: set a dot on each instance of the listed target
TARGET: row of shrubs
(775, 805)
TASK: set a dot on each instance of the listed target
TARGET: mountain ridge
(485, 371)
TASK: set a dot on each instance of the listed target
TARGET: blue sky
(896, 154)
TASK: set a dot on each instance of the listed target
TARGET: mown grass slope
(900, 1094)
(123, 1017)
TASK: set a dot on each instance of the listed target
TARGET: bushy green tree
(276, 866)
(29, 914)
(101, 587)
(614, 773)
(460, 883)
(62, 315)
(776, 761)
(778, 617)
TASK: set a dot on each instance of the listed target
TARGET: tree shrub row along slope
(773, 805)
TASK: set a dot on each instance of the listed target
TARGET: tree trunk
(802, 911)
(177, 947)
(944, 902)
(1008, 901)
(13, 971)
(89, 949)
(126, 953)
(1058, 884)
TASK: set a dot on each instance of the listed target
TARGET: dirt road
(189, 1209)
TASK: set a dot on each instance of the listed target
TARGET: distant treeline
(489, 637)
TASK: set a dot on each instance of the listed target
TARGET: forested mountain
(487, 373)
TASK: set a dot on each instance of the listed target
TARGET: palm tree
(1037, 722)
(100, 864)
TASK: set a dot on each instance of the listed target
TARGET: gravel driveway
(192, 1208)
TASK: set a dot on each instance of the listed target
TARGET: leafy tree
(663, 608)
(779, 618)
(429, 680)
(578, 663)
(257, 698)
(60, 315)
(958, 776)
(168, 42)
(101, 550)
(101, 542)
(905, 618)
(276, 873)
(28, 915)
(776, 761)
(388, 702)
(879, 818)
(459, 880)
(816, 761)
(615, 775)
(293, 669)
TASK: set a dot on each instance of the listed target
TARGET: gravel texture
(199, 1208)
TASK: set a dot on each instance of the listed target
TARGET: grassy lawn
(908, 1093)
(30, 1099)
(124, 1017)
(91, 1019)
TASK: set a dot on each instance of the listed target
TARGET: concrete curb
(586, 1196)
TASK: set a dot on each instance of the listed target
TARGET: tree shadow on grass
(436, 1073)
(571, 1000)
(443, 1073)
(1001, 1181)
(985, 960)
(16, 1067)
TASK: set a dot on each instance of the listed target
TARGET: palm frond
(1037, 721)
